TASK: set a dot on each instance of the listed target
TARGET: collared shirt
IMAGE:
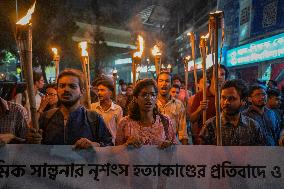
(210, 111)
(154, 135)
(268, 122)
(245, 132)
(112, 116)
(13, 119)
(55, 132)
(174, 108)
(38, 99)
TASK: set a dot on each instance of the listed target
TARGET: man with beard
(265, 117)
(110, 112)
(237, 129)
(71, 123)
(172, 107)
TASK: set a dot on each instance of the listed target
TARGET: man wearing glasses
(265, 117)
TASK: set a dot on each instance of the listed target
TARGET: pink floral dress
(153, 135)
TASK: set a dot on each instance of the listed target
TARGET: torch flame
(187, 58)
(26, 19)
(141, 47)
(54, 50)
(83, 46)
(205, 36)
(156, 51)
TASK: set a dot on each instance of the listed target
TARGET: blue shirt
(268, 123)
(77, 126)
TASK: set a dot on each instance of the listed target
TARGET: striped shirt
(13, 119)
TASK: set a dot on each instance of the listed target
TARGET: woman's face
(51, 93)
(147, 99)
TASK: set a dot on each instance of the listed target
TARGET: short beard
(69, 104)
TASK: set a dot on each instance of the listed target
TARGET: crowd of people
(152, 112)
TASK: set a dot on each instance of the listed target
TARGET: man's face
(230, 101)
(39, 84)
(274, 102)
(177, 82)
(258, 98)
(222, 74)
(174, 92)
(69, 92)
(129, 91)
(123, 87)
(164, 83)
(104, 93)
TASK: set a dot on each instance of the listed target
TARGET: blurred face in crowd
(40, 83)
(69, 91)
(230, 101)
(123, 87)
(174, 92)
(258, 98)
(104, 93)
(274, 102)
(129, 91)
(164, 83)
(221, 77)
(147, 99)
(177, 82)
(51, 94)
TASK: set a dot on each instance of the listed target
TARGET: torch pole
(203, 47)
(24, 40)
(186, 75)
(216, 17)
(133, 71)
(192, 42)
(86, 71)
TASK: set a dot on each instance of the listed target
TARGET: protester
(145, 125)
(121, 98)
(198, 104)
(183, 94)
(274, 103)
(174, 91)
(110, 112)
(71, 123)
(13, 122)
(237, 129)
(50, 99)
(129, 94)
(38, 85)
(265, 117)
(171, 107)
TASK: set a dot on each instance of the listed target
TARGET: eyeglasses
(51, 94)
(148, 95)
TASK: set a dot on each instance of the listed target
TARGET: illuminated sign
(262, 50)
(123, 61)
(198, 62)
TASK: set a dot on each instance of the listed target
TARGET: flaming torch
(203, 49)
(214, 19)
(137, 57)
(86, 70)
(157, 55)
(192, 43)
(24, 43)
(56, 59)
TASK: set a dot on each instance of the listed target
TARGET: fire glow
(141, 47)
(156, 51)
(26, 19)
(54, 50)
(83, 46)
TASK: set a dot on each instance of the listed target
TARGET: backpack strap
(165, 121)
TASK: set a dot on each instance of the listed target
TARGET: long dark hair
(133, 108)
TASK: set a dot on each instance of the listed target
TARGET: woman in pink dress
(145, 125)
